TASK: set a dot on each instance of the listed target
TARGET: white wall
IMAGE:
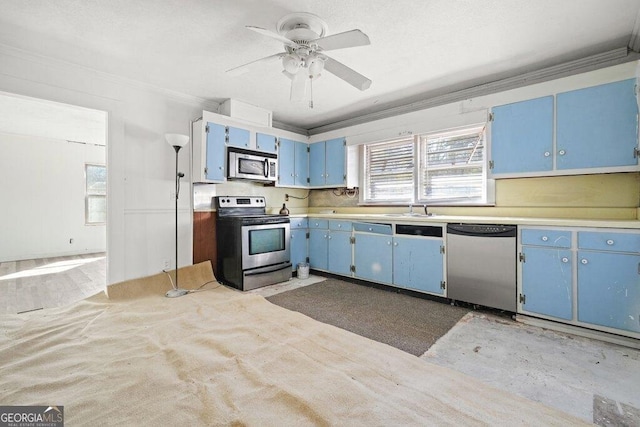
(141, 165)
(43, 195)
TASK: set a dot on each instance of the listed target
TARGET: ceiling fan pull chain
(311, 93)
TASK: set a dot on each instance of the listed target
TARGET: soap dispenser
(284, 210)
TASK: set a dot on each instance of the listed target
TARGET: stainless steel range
(253, 247)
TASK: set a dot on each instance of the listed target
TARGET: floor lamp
(177, 141)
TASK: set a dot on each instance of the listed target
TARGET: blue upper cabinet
(237, 137)
(316, 164)
(293, 161)
(597, 126)
(522, 136)
(215, 156)
(327, 163)
(301, 178)
(266, 143)
(286, 162)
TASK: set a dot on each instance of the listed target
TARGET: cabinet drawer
(340, 225)
(551, 238)
(318, 223)
(372, 228)
(609, 241)
(299, 223)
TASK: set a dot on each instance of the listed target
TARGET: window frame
(488, 184)
(93, 195)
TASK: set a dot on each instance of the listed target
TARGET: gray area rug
(408, 323)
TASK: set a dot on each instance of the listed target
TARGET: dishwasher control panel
(493, 230)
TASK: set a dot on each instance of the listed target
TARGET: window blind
(389, 171)
(452, 167)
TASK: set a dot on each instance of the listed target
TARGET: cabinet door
(339, 252)
(597, 126)
(268, 143)
(214, 170)
(418, 264)
(286, 162)
(522, 136)
(318, 247)
(301, 164)
(316, 164)
(547, 282)
(334, 162)
(298, 246)
(373, 257)
(237, 137)
(609, 289)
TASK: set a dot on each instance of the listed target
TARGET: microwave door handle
(266, 168)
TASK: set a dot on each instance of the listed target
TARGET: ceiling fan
(303, 59)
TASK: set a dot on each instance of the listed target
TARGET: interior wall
(141, 165)
(43, 188)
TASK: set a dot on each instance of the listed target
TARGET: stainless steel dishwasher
(481, 264)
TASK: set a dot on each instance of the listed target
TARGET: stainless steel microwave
(252, 165)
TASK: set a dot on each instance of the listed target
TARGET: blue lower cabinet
(373, 257)
(339, 252)
(418, 264)
(318, 246)
(609, 290)
(547, 282)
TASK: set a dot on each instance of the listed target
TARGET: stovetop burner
(248, 209)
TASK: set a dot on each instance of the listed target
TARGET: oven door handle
(266, 270)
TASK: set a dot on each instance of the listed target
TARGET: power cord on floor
(198, 289)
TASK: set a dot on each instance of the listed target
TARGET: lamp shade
(176, 139)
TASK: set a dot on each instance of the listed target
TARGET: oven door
(265, 244)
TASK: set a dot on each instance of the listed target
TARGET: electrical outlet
(286, 197)
(172, 195)
(167, 264)
(71, 241)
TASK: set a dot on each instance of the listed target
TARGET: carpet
(405, 322)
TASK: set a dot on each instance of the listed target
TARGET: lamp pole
(177, 142)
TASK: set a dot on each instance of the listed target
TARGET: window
(439, 168)
(95, 205)
(389, 171)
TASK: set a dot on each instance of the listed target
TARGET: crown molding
(590, 63)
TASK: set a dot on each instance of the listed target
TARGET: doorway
(53, 222)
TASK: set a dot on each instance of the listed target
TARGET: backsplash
(332, 198)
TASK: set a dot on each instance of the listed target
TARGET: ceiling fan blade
(299, 86)
(254, 64)
(273, 35)
(350, 76)
(351, 38)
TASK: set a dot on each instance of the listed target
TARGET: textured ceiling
(418, 47)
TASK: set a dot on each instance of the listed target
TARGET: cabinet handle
(370, 229)
(329, 237)
(584, 261)
(565, 259)
(395, 243)
(339, 225)
(562, 152)
(388, 243)
(610, 242)
(547, 153)
(545, 238)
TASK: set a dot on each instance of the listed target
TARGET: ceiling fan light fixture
(291, 63)
(316, 65)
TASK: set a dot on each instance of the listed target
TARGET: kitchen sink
(409, 214)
